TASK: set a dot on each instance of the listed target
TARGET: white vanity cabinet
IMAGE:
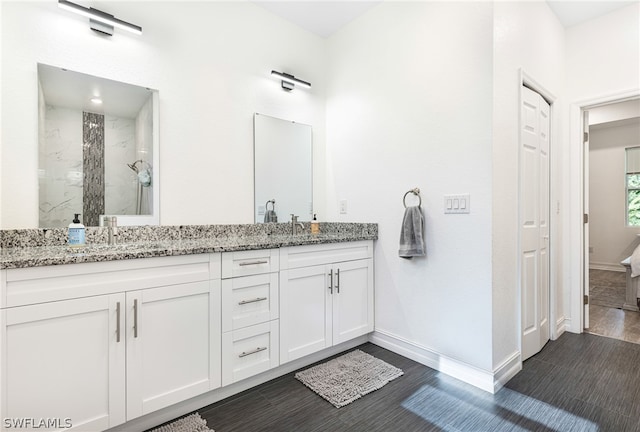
(91, 346)
(250, 312)
(102, 343)
(326, 296)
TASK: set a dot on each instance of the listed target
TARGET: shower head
(134, 165)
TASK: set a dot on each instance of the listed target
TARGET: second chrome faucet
(296, 227)
(111, 222)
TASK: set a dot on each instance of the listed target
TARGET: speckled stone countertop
(43, 247)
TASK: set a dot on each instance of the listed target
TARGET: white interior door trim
(572, 222)
(528, 80)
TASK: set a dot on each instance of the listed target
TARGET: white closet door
(534, 221)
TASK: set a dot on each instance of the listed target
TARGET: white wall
(211, 63)
(611, 240)
(409, 103)
(603, 63)
(528, 37)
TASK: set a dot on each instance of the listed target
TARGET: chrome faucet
(111, 222)
(296, 227)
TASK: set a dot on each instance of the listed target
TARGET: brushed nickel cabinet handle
(338, 281)
(331, 281)
(257, 350)
(118, 322)
(135, 318)
(244, 302)
(248, 263)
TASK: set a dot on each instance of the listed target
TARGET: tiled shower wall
(83, 161)
(121, 182)
(60, 166)
(92, 168)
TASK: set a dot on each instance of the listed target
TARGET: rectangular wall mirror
(283, 169)
(97, 150)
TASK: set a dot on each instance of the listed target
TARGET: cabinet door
(352, 299)
(64, 361)
(305, 312)
(173, 345)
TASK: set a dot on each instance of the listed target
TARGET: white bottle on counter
(76, 232)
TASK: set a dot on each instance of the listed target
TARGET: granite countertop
(236, 240)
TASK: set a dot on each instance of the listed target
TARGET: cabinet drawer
(252, 262)
(249, 300)
(62, 282)
(306, 256)
(249, 351)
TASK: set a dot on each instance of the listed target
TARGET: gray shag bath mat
(190, 423)
(348, 377)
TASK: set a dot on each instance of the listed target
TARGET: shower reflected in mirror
(97, 149)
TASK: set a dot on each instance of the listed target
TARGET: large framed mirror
(283, 169)
(97, 151)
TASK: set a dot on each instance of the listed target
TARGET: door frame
(527, 80)
(578, 187)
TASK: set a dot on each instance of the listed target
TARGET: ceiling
(575, 12)
(68, 89)
(320, 17)
(326, 17)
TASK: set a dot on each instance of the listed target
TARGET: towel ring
(273, 204)
(416, 192)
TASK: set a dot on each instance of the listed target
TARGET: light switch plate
(457, 204)
(343, 206)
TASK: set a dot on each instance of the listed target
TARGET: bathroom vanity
(134, 329)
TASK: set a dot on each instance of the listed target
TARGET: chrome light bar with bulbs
(288, 81)
(100, 21)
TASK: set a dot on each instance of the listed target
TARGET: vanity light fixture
(99, 21)
(96, 100)
(288, 81)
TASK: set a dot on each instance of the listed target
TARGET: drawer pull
(244, 302)
(338, 282)
(248, 263)
(118, 322)
(257, 350)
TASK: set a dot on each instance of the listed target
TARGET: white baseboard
(607, 266)
(507, 370)
(562, 324)
(485, 380)
(174, 411)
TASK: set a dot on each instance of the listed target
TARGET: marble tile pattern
(42, 247)
(60, 166)
(120, 181)
(92, 168)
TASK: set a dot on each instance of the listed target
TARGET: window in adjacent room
(633, 185)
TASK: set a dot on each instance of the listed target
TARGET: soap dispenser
(76, 232)
(315, 226)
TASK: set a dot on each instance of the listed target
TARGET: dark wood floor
(578, 383)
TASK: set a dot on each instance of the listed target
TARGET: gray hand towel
(270, 216)
(411, 235)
